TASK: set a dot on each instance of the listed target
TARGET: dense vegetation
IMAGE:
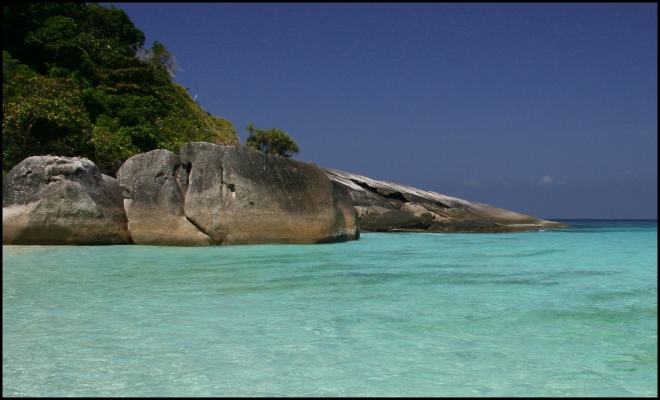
(76, 81)
(271, 141)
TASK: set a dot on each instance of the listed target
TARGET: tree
(11, 69)
(158, 56)
(47, 118)
(271, 141)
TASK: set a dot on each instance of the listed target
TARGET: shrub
(271, 141)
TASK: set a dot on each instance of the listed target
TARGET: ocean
(557, 312)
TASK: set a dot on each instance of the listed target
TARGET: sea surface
(559, 312)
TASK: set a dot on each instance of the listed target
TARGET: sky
(548, 110)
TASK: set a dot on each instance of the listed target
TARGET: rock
(351, 220)
(395, 220)
(386, 206)
(218, 195)
(352, 193)
(238, 196)
(51, 200)
(154, 201)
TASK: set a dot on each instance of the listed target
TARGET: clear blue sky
(545, 109)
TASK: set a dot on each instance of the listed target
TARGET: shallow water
(566, 312)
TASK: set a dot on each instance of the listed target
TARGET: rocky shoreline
(389, 207)
(210, 194)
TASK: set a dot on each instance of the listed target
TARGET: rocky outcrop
(216, 195)
(52, 200)
(351, 220)
(154, 201)
(385, 206)
(211, 194)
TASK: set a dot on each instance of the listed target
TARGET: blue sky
(545, 109)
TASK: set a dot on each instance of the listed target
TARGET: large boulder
(51, 200)
(216, 195)
(237, 196)
(385, 206)
(351, 220)
(155, 199)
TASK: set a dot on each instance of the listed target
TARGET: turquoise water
(566, 312)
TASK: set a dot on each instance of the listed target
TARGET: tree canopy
(271, 141)
(159, 57)
(78, 82)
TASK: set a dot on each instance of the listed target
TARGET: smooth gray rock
(237, 195)
(217, 195)
(395, 220)
(49, 200)
(351, 220)
(386, 206)
(154, 201)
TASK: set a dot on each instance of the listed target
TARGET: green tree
(271, 141)
(11, 69)
(159, 57)
(47, 118)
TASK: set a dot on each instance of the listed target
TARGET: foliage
(159, 57)
(46, 117)
(77, 82)
(271, 141)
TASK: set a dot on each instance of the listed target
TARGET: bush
(271, 141)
